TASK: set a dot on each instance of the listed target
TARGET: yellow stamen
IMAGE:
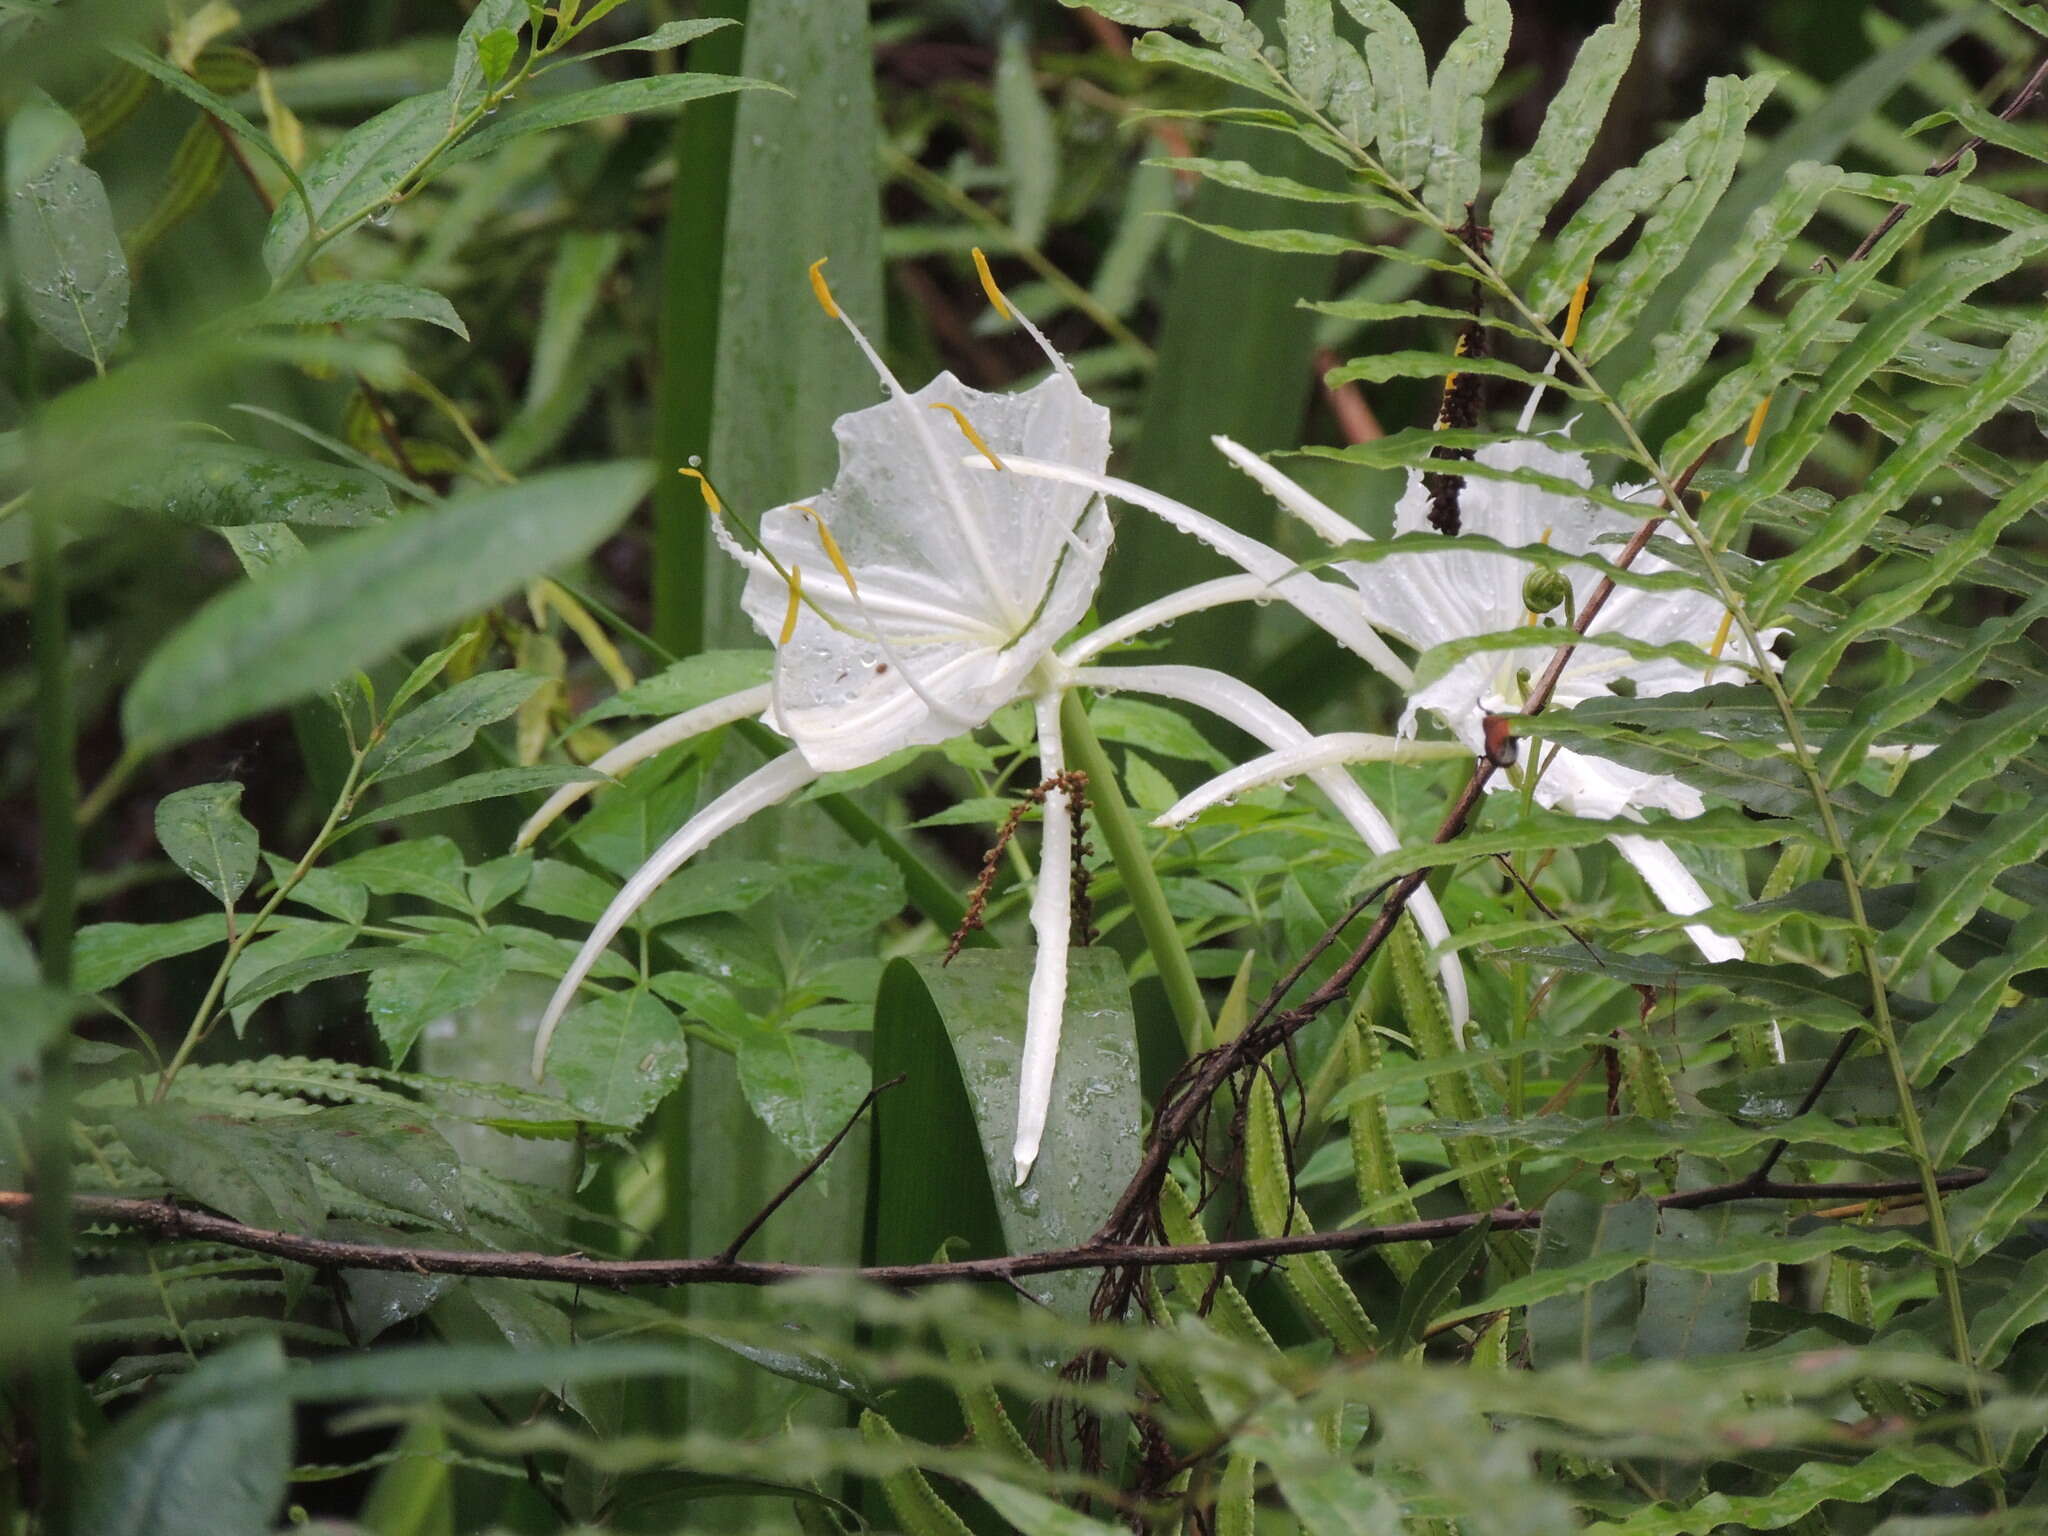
(832, 550)
(1573, 315)
(825, 300)
(711, 501)
(988, 284)
(796, 601)
(1756, 422)
(1721, 636)
(967, 428)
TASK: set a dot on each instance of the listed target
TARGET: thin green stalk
(1141, 881)
(202, 1019)
(1882, 1025)
(55, 1380)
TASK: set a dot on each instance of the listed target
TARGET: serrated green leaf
(1400, 87)
(445, 725)
(619, 1055)
(1979, 749)
(1217, 21)
(1982, 1216)
(106, 953)
(491, 784)
(206, 835)
(1457, 106)
(398, 1160)
(2021, 1303)
(1541, 173)
(235, 1167)
(2012, 1057)
(910, 1494)
(1245, 72)
(296, 975)
(804, 1089)
(356, 598)
(1954, 888)
(1673, 226)
(404, 999)
(1972, 1001)
(1320, 1287)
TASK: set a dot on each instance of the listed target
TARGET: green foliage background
(350, 352)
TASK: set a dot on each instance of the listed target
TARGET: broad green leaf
(649, 93)
(1596, 1318)
(1245, 72)
(1400, 87)
(356, 176)
(803, 1088)
(2020, 1304)
(1457, 107)
(1953, 889)
(1687, 1313)
(1973, 999)
(427, 867)
(239, 1169)
(106, 953)
(65, 251)
(446, 724)
(619, 1055)
(357, 598)
(686, 684)
(347, 303)
(1434, 1282)
(1929, 788)
(206, 835)
(1541, 173)
(297, 974)
(398, 1160)
(1674, 224)
(670, 34)
(1218, 21)
(491, 784)
(933, 1021)
(230, 485)
(2012, 1057)
(405, 999)
(209, 1458)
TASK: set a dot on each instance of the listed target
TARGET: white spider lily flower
(935, 599)
(1431, 598)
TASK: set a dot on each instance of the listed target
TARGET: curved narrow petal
(1310, 508)
(1164, 610)
(1673, 885)
(1251, 711)
(637, 749)
(1328, 607)
(1051, 923)
(1286, 763)
(768, 785)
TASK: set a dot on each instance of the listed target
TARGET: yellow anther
(832, 550)
(988, 284)
(967, 429)
(711, 501)
(1756, 422)
(1573, 315)
(796, 601)
(825, 300)
(1721, 636)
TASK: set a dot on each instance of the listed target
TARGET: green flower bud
(1545, 590)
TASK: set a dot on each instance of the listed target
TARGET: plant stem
(1141, 881)
(202, 1020)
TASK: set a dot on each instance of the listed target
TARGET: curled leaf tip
(967, 430)
(825, 300)
(988, 284)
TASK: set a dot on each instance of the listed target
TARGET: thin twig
(164, 1219)
(732, 1249)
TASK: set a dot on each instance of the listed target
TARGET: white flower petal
(1255, 714)
(637, 749)
(765, 786)
(1673, 885)
(1287, 763)
(1311, 509)
(1164, 610)
(1051, 925)
(1330, 608)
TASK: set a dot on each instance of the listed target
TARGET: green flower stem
(1141, 881)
